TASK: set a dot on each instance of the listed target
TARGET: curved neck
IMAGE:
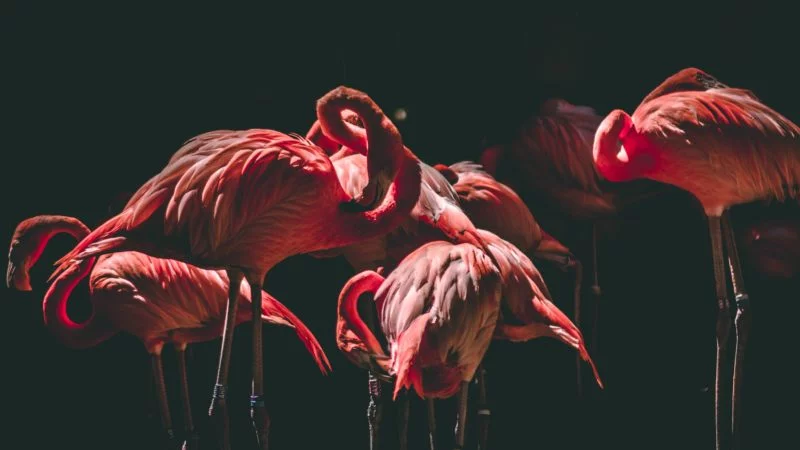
(347, 309)
(45, 228)
(72, 334)
(611, 160)
(396, 206)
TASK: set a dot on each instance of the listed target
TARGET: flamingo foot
(260, 420)
(219, 414)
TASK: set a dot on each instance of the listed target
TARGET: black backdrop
(96, 98)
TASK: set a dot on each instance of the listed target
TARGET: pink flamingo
(725, 147)
(438, 310)
(245, 200)
(427, 280)
(493, 206)
(157, 300)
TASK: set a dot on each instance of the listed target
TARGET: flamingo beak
(17, 279)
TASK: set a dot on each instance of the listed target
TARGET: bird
(493, 206)
(243, 201)
(159, 301)
(725, 147)
(438, 310)
(436, 216)
(548, 163)
(417, 286)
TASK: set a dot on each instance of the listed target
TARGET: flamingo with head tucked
(245, 200)
(724, 146)
(157, 300)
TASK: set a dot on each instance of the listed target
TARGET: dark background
(96, 98)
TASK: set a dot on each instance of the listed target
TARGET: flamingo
(438, 310)
(493, 206)
(548, 162)
(243, 201)
(442, 269)
(725, 147)
(157, 300)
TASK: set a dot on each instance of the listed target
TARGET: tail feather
(564, 330)
(271, 309)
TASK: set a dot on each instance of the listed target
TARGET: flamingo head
(26, 247)
(615, 149)
(447, 172)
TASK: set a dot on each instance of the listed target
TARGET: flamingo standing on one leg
(493, 206)
(549, 164)
(157, 300)
(725, 147)
(246, 200)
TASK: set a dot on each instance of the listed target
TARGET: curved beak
(17, 280)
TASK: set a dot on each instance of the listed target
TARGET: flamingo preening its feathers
(245, 200)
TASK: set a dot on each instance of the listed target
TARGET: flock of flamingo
(446, 253)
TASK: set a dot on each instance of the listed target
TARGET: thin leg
(461, 423)
(597, 293)
(577, 303)
(161, 393)
(219, 406)
(375, 406)
(374, 411)
(192, 438)
(402, 418)
(431, 424)
(742, 325)
(258, 409)
(484, 413)
(723, 322)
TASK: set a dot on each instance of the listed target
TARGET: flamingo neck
(70, 333)
(349, 317)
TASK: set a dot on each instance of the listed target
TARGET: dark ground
(96, 99)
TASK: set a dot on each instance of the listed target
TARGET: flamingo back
(438, 310)
(493, 206)
(722, 145)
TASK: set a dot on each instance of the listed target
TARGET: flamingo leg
(219, 406)
(258, 409)
(741, 324)
(402, 417)
(576, 293)
(431, 424)
(161, 393)
(375, 406)
(597, 293)
(192, 438)
(566, 262)
(461, 421)
(484, 413)
(723, 321)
